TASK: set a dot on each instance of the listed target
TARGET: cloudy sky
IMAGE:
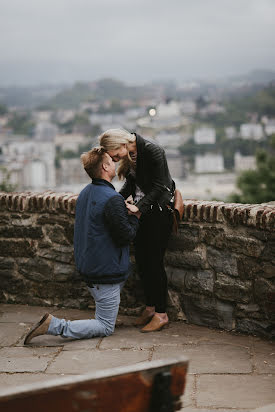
(133, 40)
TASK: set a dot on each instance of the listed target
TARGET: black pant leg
(150, 246)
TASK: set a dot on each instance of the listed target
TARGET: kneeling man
(103, 231)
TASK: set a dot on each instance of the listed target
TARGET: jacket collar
(102, 182)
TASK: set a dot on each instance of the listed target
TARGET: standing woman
(143, 163)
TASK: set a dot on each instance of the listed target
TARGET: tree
(5, 185)
(21, 123)
(3, 109)
(258, 186)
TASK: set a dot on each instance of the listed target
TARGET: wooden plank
(123, 389)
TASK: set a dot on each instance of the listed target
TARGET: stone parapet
(261, 216)
(220, 265)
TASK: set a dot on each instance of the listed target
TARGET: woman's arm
(159, 176)
(126, 189)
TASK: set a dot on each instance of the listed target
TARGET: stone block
(207, 311)
(235, 391)
(62, 272)
(187, 238)
(248, 267)
(17, 248)
(205, 358)
(200, 309)
(36, 269)
(220, 239)
(225, 315)
(58, 253)
(56, 234)
(183, 259)
(251, 310)
(10, 333)
(222, 261)
(174, 306)
(201, 281)
(84, 361)
(264, 292)
(7, 263)
(213, 235)
(69, 231)
(8, 380)
(264, 357)
(231, 289)
(269, 252)
(25, 359)
(12, 282)
(268, 270)
(263, 289)
(22, 313)
(53, 219)
(20, 232)
(4, 219)
(176, 276)
(256, 327)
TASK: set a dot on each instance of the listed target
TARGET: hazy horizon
(64, 41)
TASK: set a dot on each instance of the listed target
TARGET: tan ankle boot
(156, 324)
(144, 318)
(39, 329)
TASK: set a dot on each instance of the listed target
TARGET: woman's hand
(133, 210)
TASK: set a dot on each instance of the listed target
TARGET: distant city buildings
(270, 127)
(71, 172)
(244, 162)
(252, 131)
(209, 163)
(205, 135)
(70, 142)
(212, 108)
(231, 132)
(169, 140)
(31, 163)
(175, 163)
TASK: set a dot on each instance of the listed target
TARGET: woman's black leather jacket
(152, 176)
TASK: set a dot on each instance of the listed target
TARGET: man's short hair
(93, 160)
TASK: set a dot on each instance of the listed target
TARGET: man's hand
(133, 210)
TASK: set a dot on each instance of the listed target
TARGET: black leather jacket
(152, 176)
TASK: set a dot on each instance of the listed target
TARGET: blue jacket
(103, 231)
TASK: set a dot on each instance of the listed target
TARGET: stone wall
(220, 265)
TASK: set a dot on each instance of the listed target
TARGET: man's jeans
(107, 299)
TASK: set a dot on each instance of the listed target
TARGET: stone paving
(226, 372)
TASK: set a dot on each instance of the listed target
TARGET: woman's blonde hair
(112, 139)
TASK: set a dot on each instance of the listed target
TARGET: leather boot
(156, 324)
(41, 328)
(144, 318)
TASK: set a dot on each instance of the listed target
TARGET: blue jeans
(107, 299)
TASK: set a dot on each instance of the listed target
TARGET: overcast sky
(133, 40)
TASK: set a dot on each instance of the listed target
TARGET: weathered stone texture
(220, 265)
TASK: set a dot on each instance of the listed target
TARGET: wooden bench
(149, 386)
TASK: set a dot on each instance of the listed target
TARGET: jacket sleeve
(122, 227)
(126, 189)
(157, 158)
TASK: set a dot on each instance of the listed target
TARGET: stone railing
(220, 265)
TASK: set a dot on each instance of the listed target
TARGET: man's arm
(122, 227)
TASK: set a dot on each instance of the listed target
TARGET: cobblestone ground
(226, 372)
